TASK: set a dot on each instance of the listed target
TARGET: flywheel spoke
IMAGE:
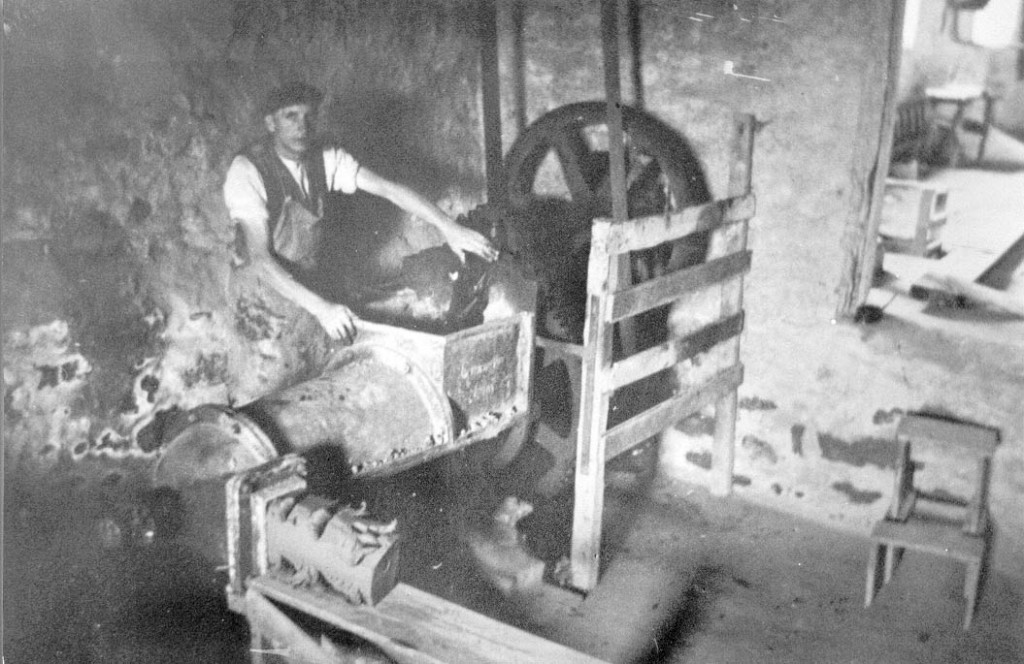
(573, 156)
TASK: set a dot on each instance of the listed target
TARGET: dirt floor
(700, 579)
(689, 578)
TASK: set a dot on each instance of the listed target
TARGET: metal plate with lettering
(482, 368)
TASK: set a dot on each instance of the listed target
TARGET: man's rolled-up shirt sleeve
(244, 193)
(341, 169)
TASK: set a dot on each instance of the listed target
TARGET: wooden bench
(940, 525)
(913, 214)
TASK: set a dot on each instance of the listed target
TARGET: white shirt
(246, 197)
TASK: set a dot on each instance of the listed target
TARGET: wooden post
(519, 63)
(858, 284)
(588, 507)
(491, 92)
(613, 94)
(631, 48)
(610, 41)
(603, 275)
(723, 454)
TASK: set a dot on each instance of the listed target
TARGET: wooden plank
(966, 263)
(1000, 272)
(561, 347)
(412, 626)
(269, 625)
(951, 286)
(955, 437)
(632, 44)
(937, 537)
(872, 168)
(670, 353)
(657, 292)
(963, 270)
(646, 232)
(588, 505)
(655, 420)
(613, 97)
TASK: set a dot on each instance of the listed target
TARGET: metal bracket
(247, 496)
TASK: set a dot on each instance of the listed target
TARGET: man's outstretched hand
(464, 240)
(337, 320)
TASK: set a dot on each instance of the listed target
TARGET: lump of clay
(434, 291)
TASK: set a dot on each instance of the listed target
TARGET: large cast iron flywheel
(558, 181)
(657, 157)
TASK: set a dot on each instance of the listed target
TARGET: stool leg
(971, 582)
(958, 117)
(986, 124)
(874, 563)
(893, 555)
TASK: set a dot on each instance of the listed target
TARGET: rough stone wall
(121, 304)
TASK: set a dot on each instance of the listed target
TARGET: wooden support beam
(605, 271)
(613, 95)
(876, 136)
(740, 170)
(630, 49)
(519, 63)
(491, 91)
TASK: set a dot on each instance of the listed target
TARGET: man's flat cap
(290, 94)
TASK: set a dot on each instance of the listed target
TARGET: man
(275, 192)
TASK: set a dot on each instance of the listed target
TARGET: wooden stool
(913, 215)
(941, 525)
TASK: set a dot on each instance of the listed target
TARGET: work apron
(298, 235)
(279, 344)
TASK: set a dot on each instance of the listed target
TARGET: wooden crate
(913, 215)
(612, 300)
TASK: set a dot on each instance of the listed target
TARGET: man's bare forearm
(285, 284)
(459, 238)
(336, 319)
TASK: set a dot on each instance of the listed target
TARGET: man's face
(292, 129)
